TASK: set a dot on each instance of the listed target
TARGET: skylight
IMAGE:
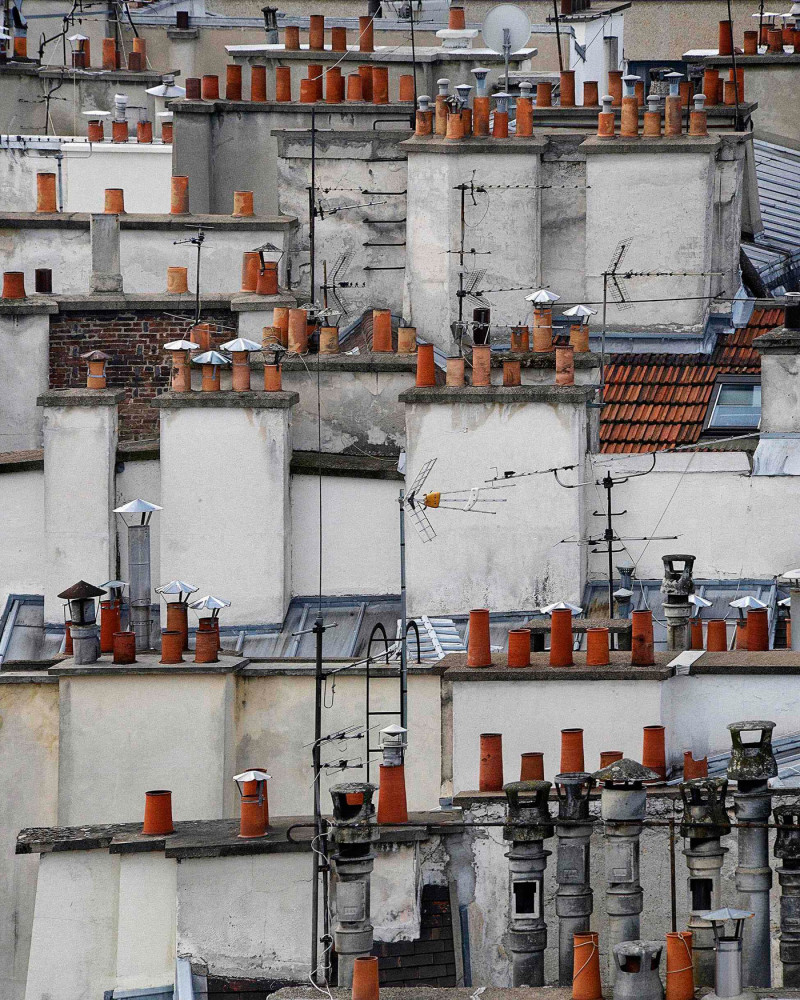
(735, 405)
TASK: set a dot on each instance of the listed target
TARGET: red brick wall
(138, 364)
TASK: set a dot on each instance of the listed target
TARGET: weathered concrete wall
(22, 533)
(24, 366)
(73, 950)
(504, 230)
(563, 218)
(145, 253)
(727, 547)
(226, 523)
(121, 736)
(28, 759)
(347, 165)
(360, 516)
(360, 412)
(80, 446)
(145, 927)
(479, 550)
(780, 396)
(275, 721)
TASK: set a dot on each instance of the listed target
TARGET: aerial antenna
(506, 29)
(196, 241)
(336, 280)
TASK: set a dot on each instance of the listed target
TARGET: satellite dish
(506, 17)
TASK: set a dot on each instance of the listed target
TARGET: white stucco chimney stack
(778, 451)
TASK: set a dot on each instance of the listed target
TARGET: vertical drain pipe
(705, 821)
(751, 766)
(623, 805)
(574, 895)
(787, 847)
(354, 833)
(528, 825)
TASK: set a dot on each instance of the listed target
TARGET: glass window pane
(737, 406)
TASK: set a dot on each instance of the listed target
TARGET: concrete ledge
(249, 302)
(619, 669)
(147, 664)
(619, 626)
(554, 394)
(475, 144)
(26, 677)
(81, 220)
(779, 341)
(309, 463)
(353, 363)
(139, 302)
(445, 993)
(544, 359)
(764, 59)
(208, 838)
(22, 461)
(242, 400)
(81, 397)
(321, 107)
(117, 75)
(744, 663)
(33, 305)
(664, 144)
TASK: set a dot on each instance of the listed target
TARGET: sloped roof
(657, 401)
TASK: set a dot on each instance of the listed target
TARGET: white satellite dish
(506, 29)
(506, 18)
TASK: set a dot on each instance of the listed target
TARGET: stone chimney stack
(778, 451)
(106, 273)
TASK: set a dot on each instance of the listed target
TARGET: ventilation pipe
(574, 894)
(139, 588)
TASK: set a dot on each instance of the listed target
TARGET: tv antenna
(331, 283)
(506, 29)
(609, 537)
(196, 241)
(468, 280)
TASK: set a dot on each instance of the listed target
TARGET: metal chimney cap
(241, 344)
(81, 591)
(700, 602)
(114, 584)
(790, 575)
(785, 603)
(622, 593)
(137, 507)
(542, 297)
(210, 602)
(674, 75)
(96, 114)
(625, 772)
(211, 358)
(548, 609)
(631, 78)
(394, 730)
(253, 775)
(167, 90)
(747, 602)
(723, 914)
(96, 356)
(583, 311)
(177, 587)
(77, 38)
(181, 345)
(480, 71)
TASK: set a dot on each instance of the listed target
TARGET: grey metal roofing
(776, 251)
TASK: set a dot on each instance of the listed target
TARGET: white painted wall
(28, 759)
(226, 523)
(145, 255)
(275, 722)
(22, 533)
(511, 240)
(73, 949)
(510, 560)
(360, 524)
(121, 736)
(145, 928)
(736, 524)
(24, 354)
(80, 444)
(548, 707)
(592, 66)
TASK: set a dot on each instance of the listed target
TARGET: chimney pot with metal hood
(136, 516)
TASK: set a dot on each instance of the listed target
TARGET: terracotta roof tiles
(653, 401)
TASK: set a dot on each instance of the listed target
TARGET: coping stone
(308, 463)
(227, 399)
(619, 668)
(142, 220)
(250, 302)
(147, 664)
(474, 144)
(789, 59)
(566, 394)
(32, 305)
(442, 993)
(776, 662)
(647, 144)
(139, 302)
(81, 397)
(369, 362)
(782, 340)
(544, 359)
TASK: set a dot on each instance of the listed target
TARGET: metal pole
(312, 199)
(603, 337)
(673, 894)
(737, 122)
(318, 631)
(506, 50)
(197, 289)
(413, 63)
(558, 38)
(403, 645)
(608, 484)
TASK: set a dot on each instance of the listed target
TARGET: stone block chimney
(106, 273)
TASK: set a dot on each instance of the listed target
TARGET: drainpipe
(354, 833)
(751, 766)
(574, 895)
(676, 587)
(705, 821)
(787, 847)
(623, 804)
(528, 825)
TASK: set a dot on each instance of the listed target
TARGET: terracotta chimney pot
(426, 367)
(233, 82)
(46, 193)
(532, 766)
(491, 769)
(366, 39)
(119, 132)
(565, 365)
(481, 365)
(308, 91)
(316, 74)
(209, 87)
(94, 131)
(328, 340)
(544, 95)
(406, 88)
(171, 646)
(291, 38)
(272, 378)
(381, 331)
(201, 335)
(512, 375)
(481, 109)
(561, 640)
(193, 88)
(166, 133)
(542, 329)
(629, 119)
(694, 768)
(158, 814)
(144, 133)
(579, 337)
(757, 630)
(642, 638)
(478, 647)
(109, 624)
(567, 88)
(339, 39)
(280, 320)
(380, 84)
(571, 751)
(711, 85)
(654, 750)
(597, 647)
(615, 87)
(716, 636)
(524, 118)
(114, 201)
(298, 331)
(316, 32)
(283, 84)
(725, 44)
(455, 373)
(109, 53)
(334, 86)
(696, 633)
(392, 806)
(456, 18)
(251, 265)
(206, 643)
(365, 976)
(242, 204)
(406, 340)
(520, 340)
(609, 756)
(586, 967)
(500, 125)
(124, 647)
(13, 285)
(177, 280)
(258, 84)
(354, 90)
(591, 96)
(365, 72)
(751, 43)
(519, 647)
(267, 283)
